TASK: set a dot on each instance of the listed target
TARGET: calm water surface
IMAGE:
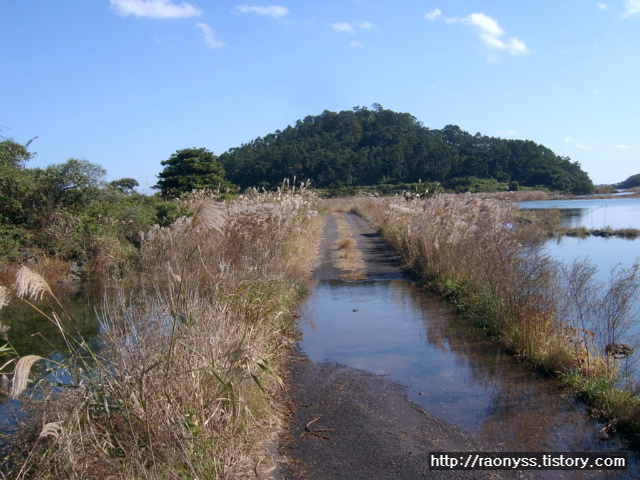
(605, 253)
(30, 333)
(594, 213)
(451, 369)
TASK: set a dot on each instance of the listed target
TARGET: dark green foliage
(372, 147)
(473, 184)
(632, 182)
(68, 211)
(125, 185)
(167, 213)
(191, 169)
(14, 154)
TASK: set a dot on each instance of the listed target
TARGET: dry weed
(187, 379)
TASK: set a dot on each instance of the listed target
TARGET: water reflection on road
(394, 328)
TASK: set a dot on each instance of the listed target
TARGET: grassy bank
(488, 265)
(185, 382)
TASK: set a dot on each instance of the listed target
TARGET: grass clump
(185, 381)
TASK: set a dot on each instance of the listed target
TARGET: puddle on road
(450, 369)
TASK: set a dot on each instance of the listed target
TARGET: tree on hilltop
(632, 182)
(191, 169)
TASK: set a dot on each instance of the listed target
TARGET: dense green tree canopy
(632, 182)
(191, 169)
(14, 154)
(371, 147)
(125, 185)
(67, 210)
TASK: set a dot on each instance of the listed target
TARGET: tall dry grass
(186, 381)
(489, 265)
(480, 254)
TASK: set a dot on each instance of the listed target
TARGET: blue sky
(125, 83)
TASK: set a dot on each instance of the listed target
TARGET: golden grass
(21, 374)
(484, 257)
(473, 250)
(4, 296)
(187, 382)
(30, 284)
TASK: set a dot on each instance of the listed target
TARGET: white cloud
(356, 45)
(632, 7)
(490, 33)
(486, 24)
(603, 6)
(209, 36)
(346, 27)
(365, 24)
(275, 11)
(622, 147)
(433, 15)
(507, 133)
(342, 27)
(581, 146)
(154, 8)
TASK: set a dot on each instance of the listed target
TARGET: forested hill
(377, 146)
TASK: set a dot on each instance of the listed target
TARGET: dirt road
(349, 424)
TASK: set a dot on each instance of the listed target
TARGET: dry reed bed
(476, 253)
(186, 382)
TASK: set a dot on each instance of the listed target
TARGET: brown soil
(350, 424)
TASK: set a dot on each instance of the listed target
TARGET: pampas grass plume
(4, 296)
(210, 215)
(31, 285)
(52, 429)
(21, 373)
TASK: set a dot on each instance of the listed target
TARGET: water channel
(396, 329)
(604, 252)
(451, 369)
(31, 333)
(594, 213)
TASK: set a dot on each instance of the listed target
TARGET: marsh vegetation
(558, 318)
(185, 380)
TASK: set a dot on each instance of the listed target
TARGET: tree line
(70, 212)
(379, 146)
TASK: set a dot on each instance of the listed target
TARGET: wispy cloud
(434, 14)
(154, 8)
(632, 7)
(489, 31)
(491, 34)
(209, 36)
(603, 6)
(275, 11)
(507, 133)
(364, 24)
(342, 27)
(346, 27)
(355, 44)
(621, 147)
(576, 143)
